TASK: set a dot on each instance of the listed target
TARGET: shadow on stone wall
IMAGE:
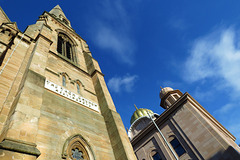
(229, 154)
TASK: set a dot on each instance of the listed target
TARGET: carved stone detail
(76, 148)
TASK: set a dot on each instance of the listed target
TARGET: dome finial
(164, 91)
(135, 107)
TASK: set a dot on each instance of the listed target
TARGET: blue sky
(193, 46)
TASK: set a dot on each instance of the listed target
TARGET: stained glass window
(78, 155)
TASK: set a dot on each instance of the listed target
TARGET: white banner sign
(70, 95)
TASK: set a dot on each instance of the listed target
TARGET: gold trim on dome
(141, 112)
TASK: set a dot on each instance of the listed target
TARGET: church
(55, 105)
(54, 102)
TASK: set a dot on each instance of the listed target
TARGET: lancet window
(65, 47)
(78, 88)
(64, 80)
(76, 148)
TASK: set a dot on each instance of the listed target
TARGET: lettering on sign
(70, 95)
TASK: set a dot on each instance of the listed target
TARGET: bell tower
(54, 100)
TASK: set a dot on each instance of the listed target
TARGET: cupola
(168, 96)
(141, 112)
(140, 120)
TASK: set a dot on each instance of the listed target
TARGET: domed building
(139, 120)
(185, 130)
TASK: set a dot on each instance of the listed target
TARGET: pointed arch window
(76, 148)
(64, 80)
(78, 88)
(65, 47)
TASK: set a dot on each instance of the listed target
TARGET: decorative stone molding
(60, 31)
(65, 74)
(20, 146)
(77, 81)
(77, 148)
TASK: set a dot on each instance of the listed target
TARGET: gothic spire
(58, 12)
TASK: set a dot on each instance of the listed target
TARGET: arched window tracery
(65, 47)
(64, 78)
(79, 86)
(76, 148)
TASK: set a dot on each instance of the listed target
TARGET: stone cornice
(96, 71)
(209, 116)
(44, 37)
(86, 73)
(70, 62)
(20, 146)
(186, 97)
(26, 38)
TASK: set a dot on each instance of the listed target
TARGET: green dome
(141, 112)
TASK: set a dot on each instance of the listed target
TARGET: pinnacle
(57, 11)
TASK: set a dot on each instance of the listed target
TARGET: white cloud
(118, 84)
(216, 55)
(120, 44)
(214, 61)
(224, 109)
(111, 30)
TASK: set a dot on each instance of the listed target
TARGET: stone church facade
(185, 130)
(54, 102)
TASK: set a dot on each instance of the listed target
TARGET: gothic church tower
(54, 102)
